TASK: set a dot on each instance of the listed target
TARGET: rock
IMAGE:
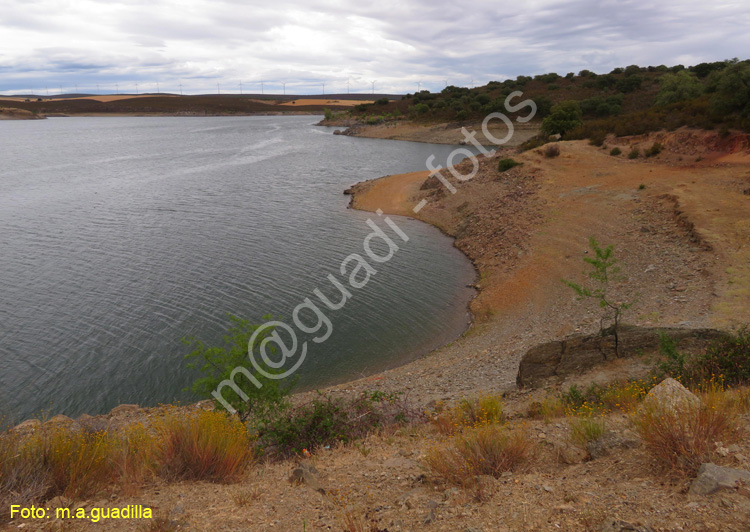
(616, 525)
(611, 441)
(305, 473)
(432, 182)
(28, 426)
(123, 409)
(59, 421)
(671, 396)
(712, 478)
(577, 354)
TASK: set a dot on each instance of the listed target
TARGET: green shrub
(382, 101)
(654, 150)
(563, 117)
(586, 429)
(725, 361)
(506, 164)
(328, 114)
(219, 363)
(634, 153)
(677, 87)
(615, 151)
(327, 420)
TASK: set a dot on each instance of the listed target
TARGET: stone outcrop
(576, 354)
(712, 478)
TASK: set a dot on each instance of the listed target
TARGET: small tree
(604, 270)
(218, 362)
(563, 117)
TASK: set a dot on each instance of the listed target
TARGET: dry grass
(586, 429)
(203, 446)
(481, 411)
(78, 462)
(246, 496)
(354, 522)
(681, 440)
(488, 450)
(548, 409)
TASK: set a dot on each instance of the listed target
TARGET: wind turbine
(419, 86)
(283, 84)
(240, 87)
(218, 88)
(347, 86)
(324, 87)
(136, 88)
(158, 90)
(180, 88)
(373, 87)
(261, 87)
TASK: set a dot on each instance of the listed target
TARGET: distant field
(171, 104)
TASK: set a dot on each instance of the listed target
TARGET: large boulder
(671, 396)
(577, 354)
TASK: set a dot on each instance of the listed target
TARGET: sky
(331, 46)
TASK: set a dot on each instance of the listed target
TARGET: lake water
(120, 236)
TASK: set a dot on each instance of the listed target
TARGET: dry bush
(488, 450)
(548, 409)
(246, 496)
(75, 463)
(203, 446)
(135, 457)
(551, 151)
(354, 522)
(683, 439)
(478, 412)
(21, 481)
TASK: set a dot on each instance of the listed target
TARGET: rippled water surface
(120, 236)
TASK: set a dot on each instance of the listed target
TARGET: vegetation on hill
(626, 101)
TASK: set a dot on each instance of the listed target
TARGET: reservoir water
(120, 236)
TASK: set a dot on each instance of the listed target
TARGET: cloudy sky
(54, 45)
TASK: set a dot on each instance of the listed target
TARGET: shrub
(563, 117)
(506, 164)
(654, 150)
(677, 87)
(552, 150)
(207, 445)
(382, 101)
(327, 420)
(615, 151)
(725, 361)
(598, 138)
(361, 107)
(585, 429)
(483, 410)
(634, 153)
(533, 142)
(683, 439)
(328, 114)
(421, 108)
(489, 450)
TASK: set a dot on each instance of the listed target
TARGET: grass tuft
(489, 450)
